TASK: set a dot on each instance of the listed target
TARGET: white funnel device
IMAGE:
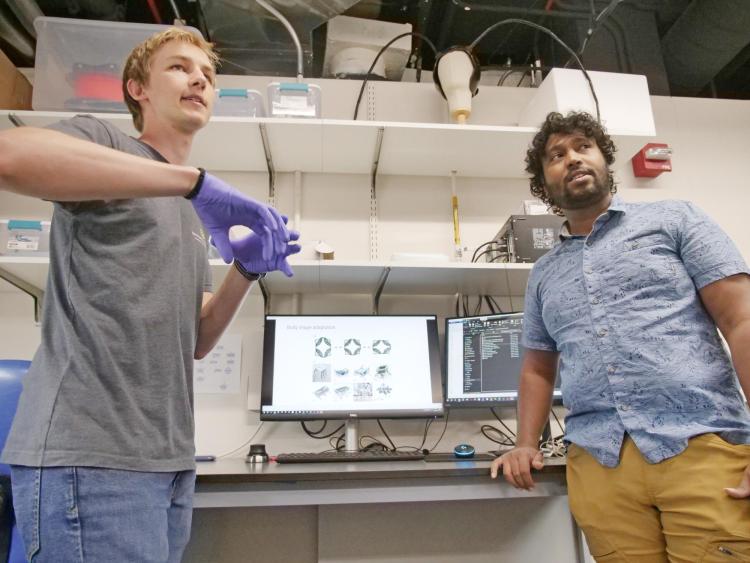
(456, 75)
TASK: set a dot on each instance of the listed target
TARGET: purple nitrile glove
(248, 251)
(220, 206)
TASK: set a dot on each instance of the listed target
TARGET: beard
(594, 191)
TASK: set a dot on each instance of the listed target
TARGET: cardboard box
(15, 90)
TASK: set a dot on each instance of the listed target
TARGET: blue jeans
(85, 514)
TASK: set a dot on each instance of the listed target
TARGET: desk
(234, 483)
(390, 511)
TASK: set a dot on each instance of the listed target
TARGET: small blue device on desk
(463, 451)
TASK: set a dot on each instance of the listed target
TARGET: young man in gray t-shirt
(102, 445)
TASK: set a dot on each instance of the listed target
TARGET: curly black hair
(575, 122)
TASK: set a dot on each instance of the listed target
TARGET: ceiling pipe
(703, 40)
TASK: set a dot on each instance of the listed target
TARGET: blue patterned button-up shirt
(638, 352)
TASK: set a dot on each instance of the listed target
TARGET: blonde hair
(138, 65)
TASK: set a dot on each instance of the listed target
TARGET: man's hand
(247, 248)
(517, 464)
(743, 490)
(220, 206)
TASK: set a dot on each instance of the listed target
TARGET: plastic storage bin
(294, 99)
(239, 102)
(24, 238)
(79, 63)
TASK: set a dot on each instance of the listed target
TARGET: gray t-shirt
(112, 383)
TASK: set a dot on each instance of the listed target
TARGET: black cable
(373, 444)
(558, 422)
(419, 448)
(556, 38)
(435, 445)
(336, 444)
(500, 420)
(316, 433)
(524, 70)
(310, 432)
(497, 243)
(523, 75)
(502, 43)
(594, 26)
(497, 305)
(504, 440)
(387, 437)
(489, 304)
(426, 429)
(488, 251)
(504, 76)
(382, 50)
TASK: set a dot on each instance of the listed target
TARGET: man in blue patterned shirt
(627, 306)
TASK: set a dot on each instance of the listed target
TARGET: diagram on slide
(384, 389)
(362, 391)
(352, 347)
(381, 346)
(342, 372)
(321, 373)
(342, 392)
(322, 347)
(382, 371)
(362, 371)
(321, 392)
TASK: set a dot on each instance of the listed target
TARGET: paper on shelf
(219, 372)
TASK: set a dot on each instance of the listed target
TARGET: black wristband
(198, 185)
(250, 276)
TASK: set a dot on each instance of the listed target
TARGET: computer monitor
(483, 357)
(320, 367)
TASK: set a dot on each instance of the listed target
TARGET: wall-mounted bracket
(266, 296)
(379, 290)
(373, 196)
(36, 294)
(269, 164)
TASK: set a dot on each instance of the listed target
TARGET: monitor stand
(351, 435)
(546, 433)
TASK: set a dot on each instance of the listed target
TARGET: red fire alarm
(652, 160)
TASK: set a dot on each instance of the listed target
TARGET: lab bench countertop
(236, 470)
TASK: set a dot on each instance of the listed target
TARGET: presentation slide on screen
(351, 363)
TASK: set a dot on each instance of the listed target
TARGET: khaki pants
(675, 511)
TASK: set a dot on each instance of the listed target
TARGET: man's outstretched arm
(50, 165)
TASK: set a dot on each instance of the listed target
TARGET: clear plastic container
(24, 238)
(239, 102)
(79, 63)
(294, 99)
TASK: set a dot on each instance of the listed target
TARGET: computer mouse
(464, 450)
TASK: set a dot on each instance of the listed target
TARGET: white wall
(709, 138)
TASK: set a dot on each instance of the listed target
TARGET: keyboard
(369, 455)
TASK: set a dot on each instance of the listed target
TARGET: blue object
(11, 374)
(293, 86)
(28, 225)
(464, 450)
(233, 93)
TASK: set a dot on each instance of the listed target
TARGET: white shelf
(335, 276)
(30, 269)
(348, 147)
(419, 278)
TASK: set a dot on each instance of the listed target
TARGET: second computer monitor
(483, 360)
